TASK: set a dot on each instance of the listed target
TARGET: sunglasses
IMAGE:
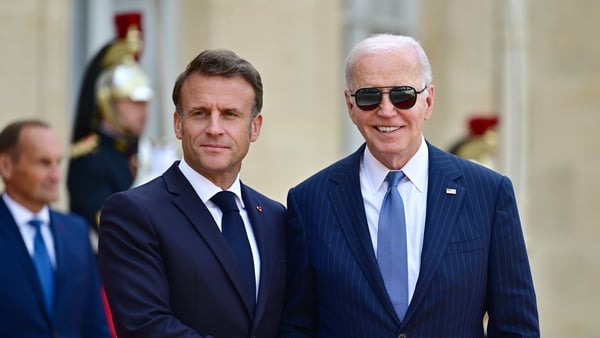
(402, 97)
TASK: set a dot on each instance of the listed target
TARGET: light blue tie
(42, 263)
(391, 245)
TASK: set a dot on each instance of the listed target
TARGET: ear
(350, 105)
(429, 101)
(178, 125)
(255, 126)
(6, 166)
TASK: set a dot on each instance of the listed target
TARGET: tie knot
(225, 200)
(394, 177)
(36, 223)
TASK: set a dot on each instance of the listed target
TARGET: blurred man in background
(50, 285)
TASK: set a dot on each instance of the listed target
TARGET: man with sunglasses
(402, 239)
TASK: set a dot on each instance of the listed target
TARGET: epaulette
(85, 145)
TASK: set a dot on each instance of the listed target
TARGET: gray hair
(388, 42)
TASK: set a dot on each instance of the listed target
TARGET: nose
(215, 125)
(56, 172)
(386, 108)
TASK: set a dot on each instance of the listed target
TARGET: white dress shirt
(22, 216)
(413, 189)
(205, 190)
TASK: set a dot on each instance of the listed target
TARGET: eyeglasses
(402, 97)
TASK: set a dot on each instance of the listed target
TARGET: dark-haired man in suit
(196, 252)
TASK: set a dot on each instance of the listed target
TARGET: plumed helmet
(114, 73)
(122, 81)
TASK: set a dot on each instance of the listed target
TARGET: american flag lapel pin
(259, 208)
(450, 191)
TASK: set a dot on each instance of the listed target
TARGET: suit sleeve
(133, 272)
(97, 321)
(511, 302)
(299, 315)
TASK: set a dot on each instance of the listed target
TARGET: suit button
(402, 335)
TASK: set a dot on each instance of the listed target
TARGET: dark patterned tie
(42, 263)
(391, 245)
(234, 232)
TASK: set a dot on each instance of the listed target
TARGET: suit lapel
(9, 232)
(188, 202)
(11, 235)
(444, 198)
(348, 206)
(254, 211)
(57, 226)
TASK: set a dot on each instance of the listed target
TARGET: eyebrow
(203, 108)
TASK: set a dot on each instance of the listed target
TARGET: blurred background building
(533, 63)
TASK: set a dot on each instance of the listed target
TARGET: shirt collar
(23, 215)
(416, 169)
(204, 187)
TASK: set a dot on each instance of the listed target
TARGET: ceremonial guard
(481, 143)
(112, 111)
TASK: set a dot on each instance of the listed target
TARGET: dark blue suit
(78, 309)
(168, 271)
(473, 260)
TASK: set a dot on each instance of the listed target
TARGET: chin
(393, 147)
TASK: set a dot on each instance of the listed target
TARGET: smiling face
(215, 126)
(32, 177)
(393, 135)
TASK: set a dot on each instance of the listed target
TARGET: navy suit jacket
(168, 271)
(473, 259)
(78, 308)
